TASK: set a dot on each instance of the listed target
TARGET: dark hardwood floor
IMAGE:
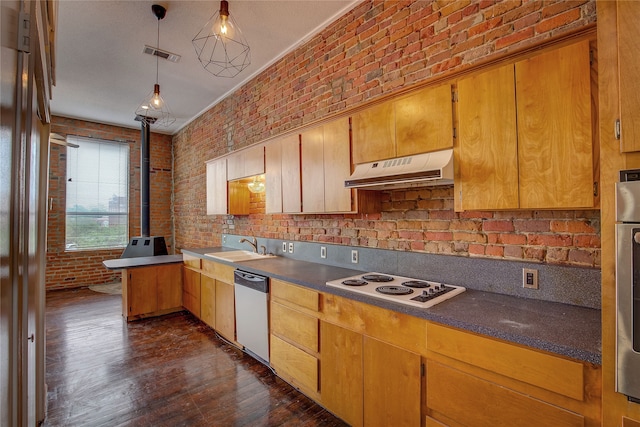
(165, 371)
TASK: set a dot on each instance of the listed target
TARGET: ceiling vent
(150, 50)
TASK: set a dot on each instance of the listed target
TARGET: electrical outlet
(323, 251)
(290, 247)
(530, 278)
(284, 247)
(354, 256)
(224, 239)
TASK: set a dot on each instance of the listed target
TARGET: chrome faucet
(253, 243)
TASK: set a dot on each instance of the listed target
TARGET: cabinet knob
(31, 338)
(636, 237)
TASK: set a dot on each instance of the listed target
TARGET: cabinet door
(217, 187)
(295, 365)
(247, 162)
(487, 145)
(169, 286)
(337, 166)
(313, 164)
(555, 144)
(341, 382)
(225, 313)
(291, 181)
(392, 384)
(191, 291)
(424, 121)
(273, 177)
(629, 69)
(239, 198)
(208, 300)
(141, 290)
(374, 133)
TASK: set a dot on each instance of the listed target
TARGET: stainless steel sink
(238, 256)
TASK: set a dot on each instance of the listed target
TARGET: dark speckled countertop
(563, 329)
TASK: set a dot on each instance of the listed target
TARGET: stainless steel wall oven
(628, 284)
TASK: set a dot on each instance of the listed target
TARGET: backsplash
(563, 284)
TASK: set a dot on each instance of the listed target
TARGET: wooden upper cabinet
(374, 133)
(290, 170)
(487, 152)
(337, 166)
(326, 165)
(313, 173)
(424, 121)
(555, 141)
(273, 177)
(247, 162)
(629, 70)
(525, 134)
(418, 123)
(282, 175)
(217, 186)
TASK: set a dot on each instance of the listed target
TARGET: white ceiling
(102, 74)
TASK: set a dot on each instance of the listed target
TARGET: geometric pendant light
(221, 48)
(154, 109)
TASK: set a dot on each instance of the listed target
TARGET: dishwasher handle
(252, 281)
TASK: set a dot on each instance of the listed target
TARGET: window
(97, 194)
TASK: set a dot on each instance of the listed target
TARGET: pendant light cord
(157, 48)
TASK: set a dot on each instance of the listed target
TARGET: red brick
(497, 225)
(558, 21)
(514, 38)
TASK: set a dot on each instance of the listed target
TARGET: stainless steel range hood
(419, 170)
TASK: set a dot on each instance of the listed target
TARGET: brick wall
(82, 268)
(376, 49)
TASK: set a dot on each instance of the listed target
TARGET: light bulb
(156, 99)
(223, 24)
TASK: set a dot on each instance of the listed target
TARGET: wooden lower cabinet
(191, 291)
(480, 381)
(367, 382)
(341, 376)
(392, 385)
(459, 399)
(209, 295)
(151, 291)
(208, 300)
(295, 366)
(295, 336)
(225, 312)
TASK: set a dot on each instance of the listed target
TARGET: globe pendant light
(154, 110)
(221, 48)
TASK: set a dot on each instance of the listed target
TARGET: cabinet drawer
(467, 400)
(551, 373)
(219, 271)
(209, 267)
(294, 294)
(297, 327)
(294, 365)
(191, 261)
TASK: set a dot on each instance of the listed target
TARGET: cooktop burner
(377, 278)
(354, 282)
(416, 284)
(394, 290)
(403, 290)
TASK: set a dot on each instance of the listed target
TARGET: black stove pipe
(145, 154)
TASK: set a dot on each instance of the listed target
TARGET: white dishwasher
(252, 315)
